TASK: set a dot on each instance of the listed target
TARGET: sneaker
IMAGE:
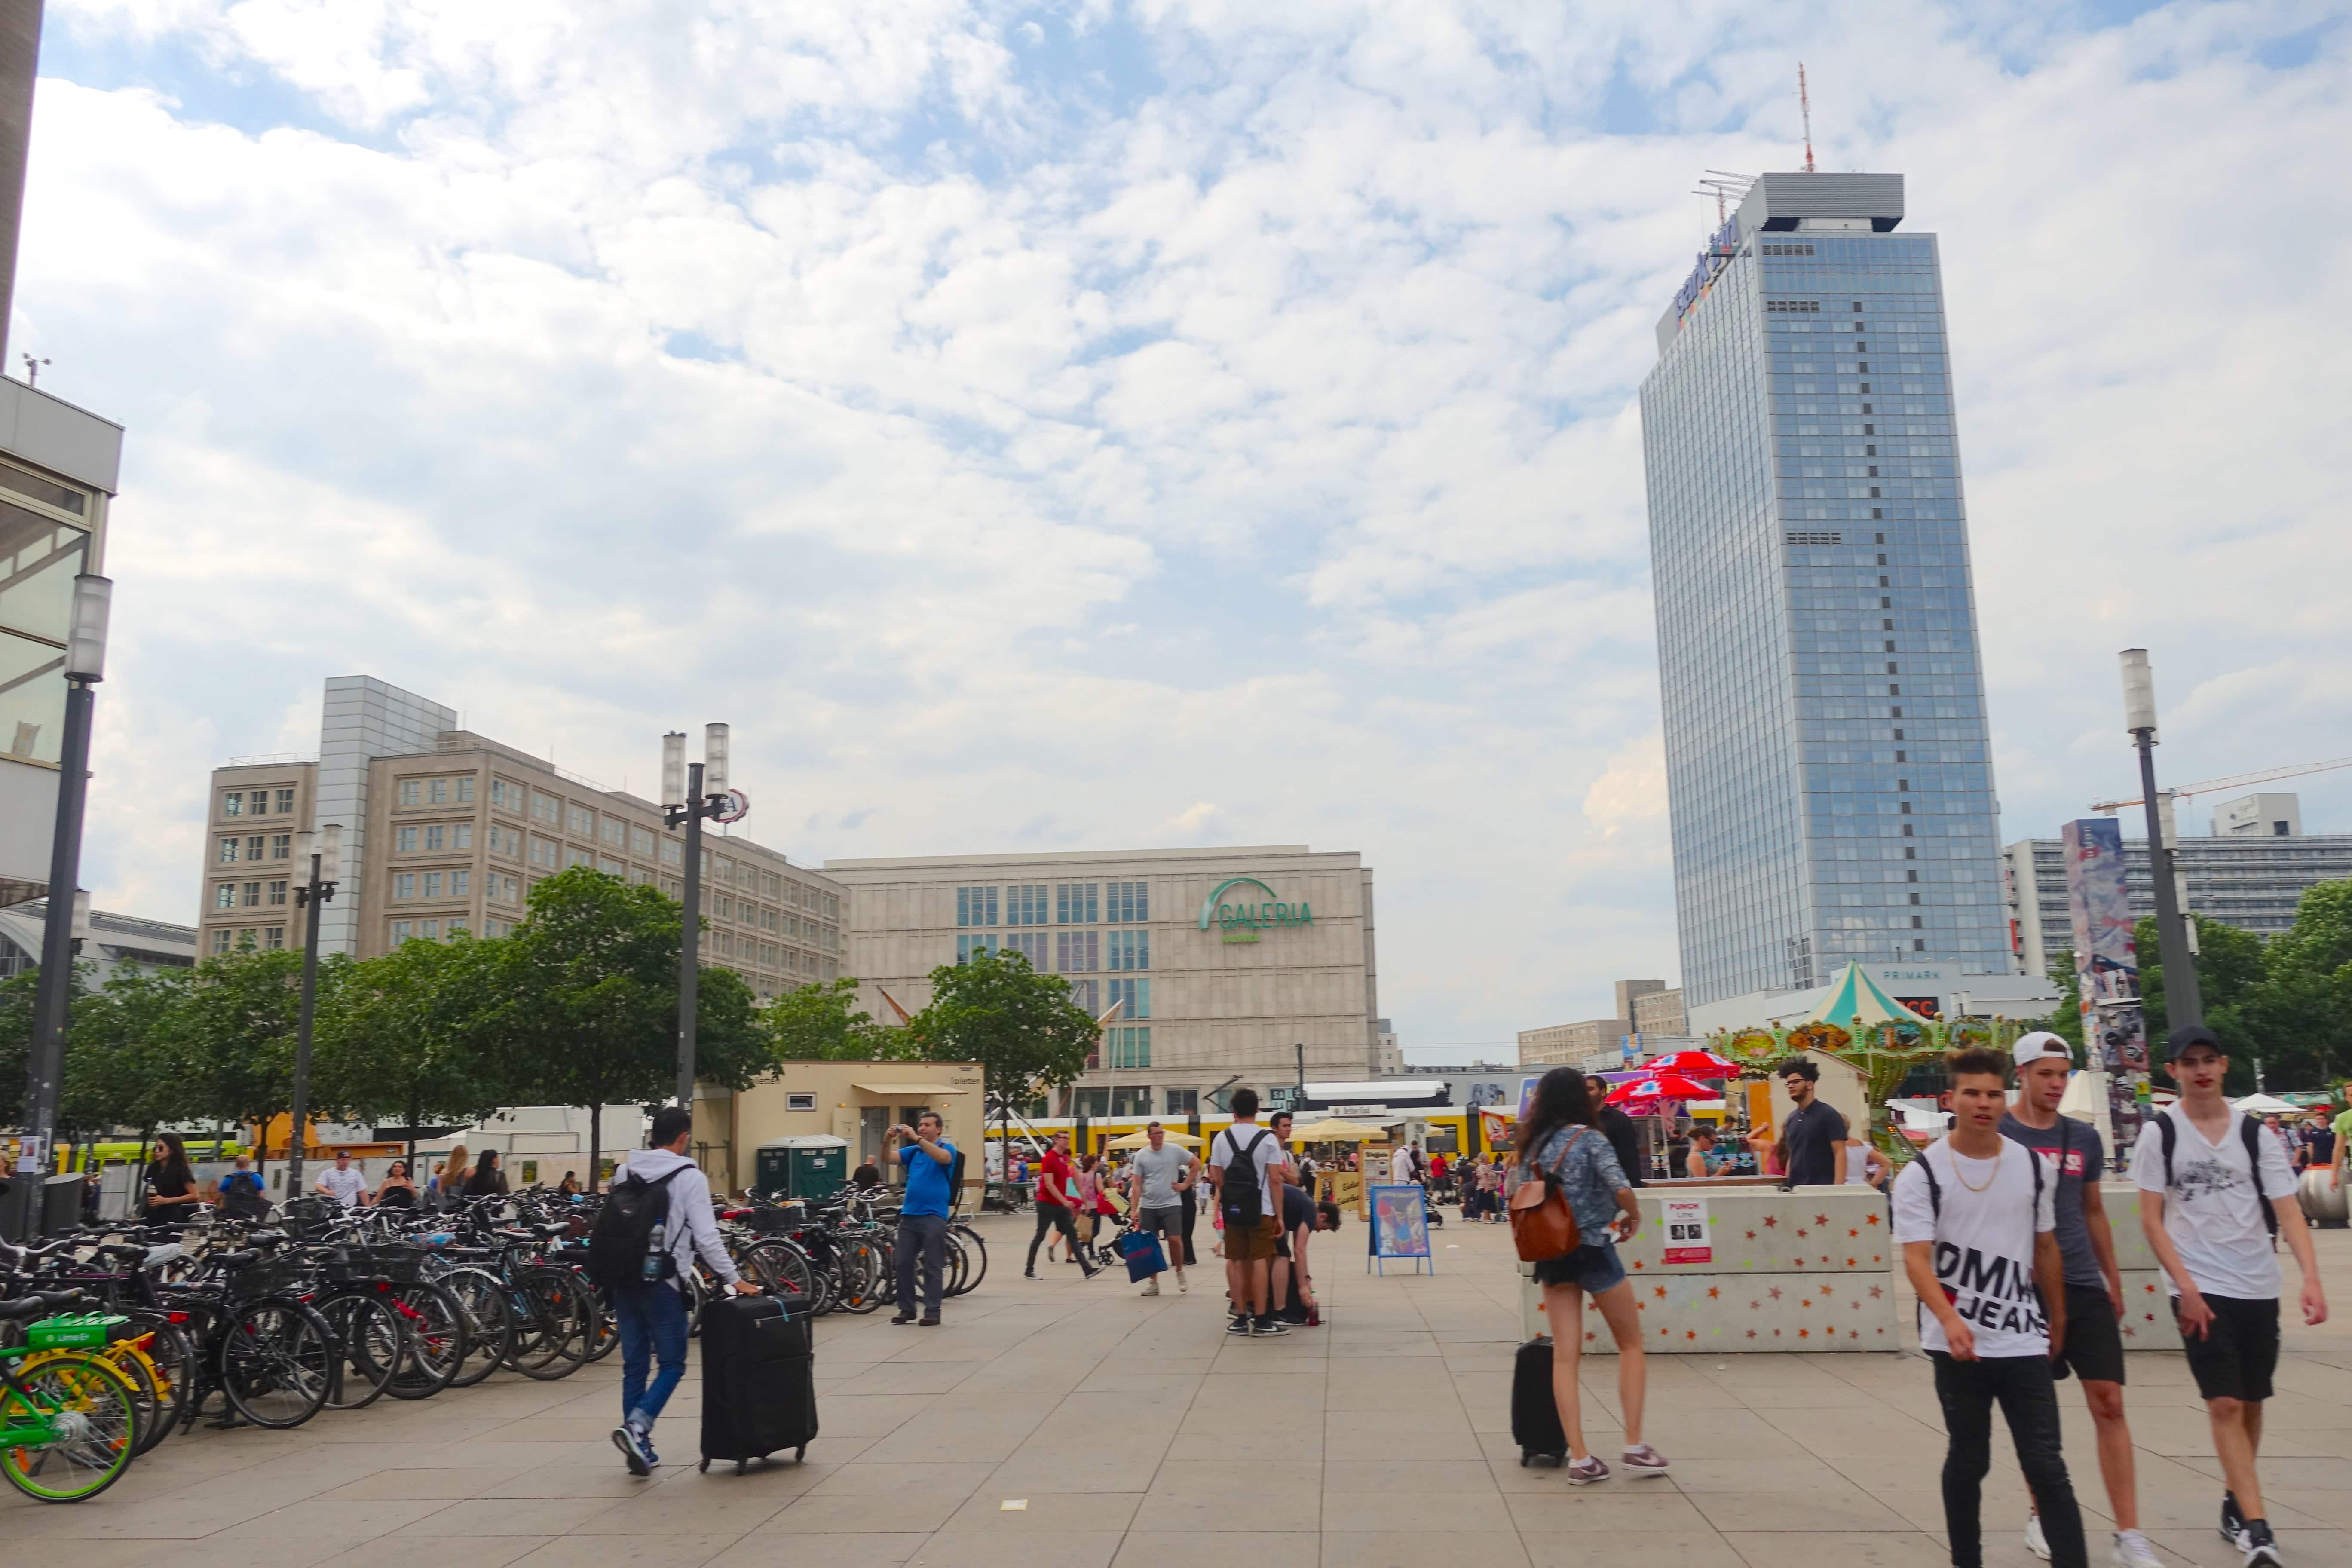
(1239, 1325)
(2262, 1551)
(1584, 1472)
(2233, 1523)
(2131, 1550)
(1643, 1461)
(634, 1448)
(1088, 1269)
(1028, 1273)
(1269, 1327)
(2035, 1542)
(1150, 1290)
(1182, 1285)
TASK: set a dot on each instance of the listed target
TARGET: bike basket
(270, 1277)
(777, 1220)
(400, 1264)
(75, 1331)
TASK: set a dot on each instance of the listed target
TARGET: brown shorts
(1250, 1245)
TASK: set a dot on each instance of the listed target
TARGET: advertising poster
(2107, 959)
(1686, 1234)
(1526, 1096)
(1400, 1222)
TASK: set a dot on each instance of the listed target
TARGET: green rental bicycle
(69, 1423)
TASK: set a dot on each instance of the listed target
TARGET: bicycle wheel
(89, 1419)
(172, 1361)
(436, 1339)
(608, 1327)
(276, 1358)
(857, 1266)
(552, 1324)
(953, 1266)
(481, 1297)
(975, 1252)
(367, 1349)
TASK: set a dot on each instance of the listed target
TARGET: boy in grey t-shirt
(1157, 1178)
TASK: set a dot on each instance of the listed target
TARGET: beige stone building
(1661, 1013)
(450, 837)
(1222, 962)
(855, 1102)
(1568, 1044)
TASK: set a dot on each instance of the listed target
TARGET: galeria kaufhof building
(1221, 963)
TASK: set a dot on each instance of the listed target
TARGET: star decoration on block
(1802, 1234)
(1849, 1262)
(1751, 1236)
(1770, 1220)
(1774, 1292)
(1827, 1290)
(1660, 1291)
(1805, 1333)
(1852, 1231)
(1870, 1219)
(1821, 1219)
(1755, 1306)
(1690, 1334)
(1751, 1333)
(1713, 1292)
(1876, 1290)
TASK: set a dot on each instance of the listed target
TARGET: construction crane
(1805, 107)
(2235, 780)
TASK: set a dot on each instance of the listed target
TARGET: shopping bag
(1143, 1256)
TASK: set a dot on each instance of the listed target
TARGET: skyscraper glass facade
(1827, 765)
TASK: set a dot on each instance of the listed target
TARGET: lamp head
(674, 768)
(331, 850)
(714, 759)
(93, 600)
(2139, 692)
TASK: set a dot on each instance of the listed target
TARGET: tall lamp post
(2182, 1003)
(85, 667)
(692, 792)
(324, 852)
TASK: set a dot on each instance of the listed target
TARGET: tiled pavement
(1139, 1434)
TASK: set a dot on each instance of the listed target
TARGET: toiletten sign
(1236, 909)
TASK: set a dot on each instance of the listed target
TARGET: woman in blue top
(1560, 1142)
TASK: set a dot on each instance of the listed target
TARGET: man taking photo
(929, 1159)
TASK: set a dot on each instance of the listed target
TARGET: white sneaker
(2034, 1540)
(2131, 1550)
(1182, 1285)
(1150, 1290)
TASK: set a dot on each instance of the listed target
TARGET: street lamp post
(85, 667)
(324, 852)
(691, 794)
(2182, 1003)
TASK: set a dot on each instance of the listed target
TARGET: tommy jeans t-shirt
(2213, 1213)
(1983, 1244)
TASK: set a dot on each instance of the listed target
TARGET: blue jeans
(652, 1320)
(924, 1238)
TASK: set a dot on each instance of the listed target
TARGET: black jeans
(1192, 1216)
(1054, 1217)
(2029, 1403)
(924, 1238)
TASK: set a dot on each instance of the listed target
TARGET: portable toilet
(812, 1165)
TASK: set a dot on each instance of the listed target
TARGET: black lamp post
(2182, 1003)
(691, 794)
(324, 852)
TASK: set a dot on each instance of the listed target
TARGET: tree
(1020, 1026)
(822, 1023)
(2230, 976)
(407, 1034)
(16, 1044)
(2066, 1020)
(119, 1070)
(230, 1038)
(586, 1003)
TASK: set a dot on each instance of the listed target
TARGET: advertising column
(2106, 968)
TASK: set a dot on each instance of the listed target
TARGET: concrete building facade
(112, 944)
(1661, 1013)
(1222, 962)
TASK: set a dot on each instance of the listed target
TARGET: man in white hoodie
(652, 1316)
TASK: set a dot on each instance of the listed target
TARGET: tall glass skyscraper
(1826, 758)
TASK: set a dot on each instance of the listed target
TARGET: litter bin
(61, 1203)
(811, 1166)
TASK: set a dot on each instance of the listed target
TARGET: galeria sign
(1242, 921)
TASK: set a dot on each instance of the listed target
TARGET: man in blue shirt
(923, 1216)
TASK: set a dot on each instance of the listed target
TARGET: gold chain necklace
(1989, 1181)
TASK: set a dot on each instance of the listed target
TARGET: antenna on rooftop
(1725, 187)
(1805, 107)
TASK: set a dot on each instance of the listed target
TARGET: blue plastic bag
(1143, 1256)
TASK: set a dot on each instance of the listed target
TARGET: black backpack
(1242, 1203)
(624, 1233)
(2250, 1133)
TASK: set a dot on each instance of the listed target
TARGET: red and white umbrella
(1653, 1091)
(1695, 1064)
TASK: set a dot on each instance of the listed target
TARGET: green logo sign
(1242, 922)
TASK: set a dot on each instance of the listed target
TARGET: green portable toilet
(812, 1165)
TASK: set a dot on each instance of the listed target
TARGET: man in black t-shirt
(1625, 1139)
(1815, 1132)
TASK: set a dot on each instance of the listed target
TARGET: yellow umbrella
(1143, 1141)
(1335, 1131)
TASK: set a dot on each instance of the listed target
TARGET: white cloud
(1038, 425)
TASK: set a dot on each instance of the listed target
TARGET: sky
(1101, 426)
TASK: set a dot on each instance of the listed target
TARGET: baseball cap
(2178, 1044)
(2041, 1043)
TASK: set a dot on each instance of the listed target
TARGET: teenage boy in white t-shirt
(2202, 1209)
(1976, 1220)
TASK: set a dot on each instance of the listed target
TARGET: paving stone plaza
(1135, 1431)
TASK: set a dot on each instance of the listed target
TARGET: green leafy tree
(2230, 976)
(2302, 1012)
(409, 1035)
(16, 1044)
(822, 1023)
(2066, 1020)
(585, 1008)
(119, 1066)
(1020, 1026)
(231, 1037)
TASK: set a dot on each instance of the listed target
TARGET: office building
(1577, 1044)
(1659, 1012)
(446, 831)
(2257, 816)
(112, 944)
(2251, 881)
(1228, 967)
(1827, 770)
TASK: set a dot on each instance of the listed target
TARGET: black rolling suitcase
(1535, 1413)
(759, 1390)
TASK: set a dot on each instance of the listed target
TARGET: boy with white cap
(2092, 1347)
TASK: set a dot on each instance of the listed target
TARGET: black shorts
(2094, 1350)
(2239, 1352)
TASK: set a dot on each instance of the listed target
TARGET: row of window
(1071, 952)
(1070, 903)
(432, 837)
(264, 939)
(437, 792)
(260, 847)
(256, 803)
(1121, 1048)
(405, 884)
(247, 895)
(1136, 1101)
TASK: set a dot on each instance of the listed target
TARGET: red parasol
(1695, 1064)
(1660, 1087)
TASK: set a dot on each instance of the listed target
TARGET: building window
(577, 857)
(640, 842)
(673, 852)
(546, 808)
(464, 788)
(1077, 951)
(435, 837)
(411, 792)
(1128, 950)
(1025, 905)
(404, 840)
(281, 845)
(1073, 903)
(612, 830)
(1085, 995)
(252, 899)
(254, 847)
(429, 930)
(457, 880)
(1182, 1101)
(224, 896)
(233, 804)
(436, 791)
(401, 930)
(546, 852)
(612, 868)
(974, 906)
(1128, 903)
(1135, 1101)
(278, 892)
(229, 850)
(1135, 994)
(404, 886)
(274, 939)
(800, 1102)
(1091, 1102)
(455, 926)
(1126, 1048)
(505, 841)
(220, 942)
(1030, 945)
(432, 884)
(461, 835)
(968, 946)
(505, 796)
(580, 820)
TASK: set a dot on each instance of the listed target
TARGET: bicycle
(69, 1421)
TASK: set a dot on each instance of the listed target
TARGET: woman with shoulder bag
(1571, 1190)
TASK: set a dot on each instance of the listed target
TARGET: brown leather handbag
(1542, 1225)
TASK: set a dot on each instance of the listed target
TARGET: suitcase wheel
(1529, 1456)
(799, 1454)
(705, 1466)
(742, 1465)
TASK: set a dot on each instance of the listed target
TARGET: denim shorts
(1592, 1267)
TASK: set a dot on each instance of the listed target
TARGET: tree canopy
(822, 1023)
(1019, 1025)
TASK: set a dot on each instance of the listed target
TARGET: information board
(1684, 1230)
(1401, 1224)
